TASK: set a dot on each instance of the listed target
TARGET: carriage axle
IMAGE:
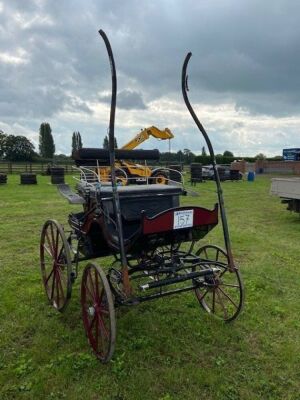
(181, 278)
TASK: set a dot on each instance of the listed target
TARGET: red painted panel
(164, 221)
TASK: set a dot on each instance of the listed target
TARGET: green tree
(260, 156)
(188, 156)
(228, 153)
(2, 143)
(76, 141)
(203, 153)
(18, 148)
(46, 142)
(106, 143)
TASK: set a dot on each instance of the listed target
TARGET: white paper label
(183, 219)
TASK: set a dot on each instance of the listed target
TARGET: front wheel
(222, 294)
(98, 312)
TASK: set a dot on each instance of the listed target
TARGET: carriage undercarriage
(162, 271)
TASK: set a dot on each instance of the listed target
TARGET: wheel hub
(91, 311)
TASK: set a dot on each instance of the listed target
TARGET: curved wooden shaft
(184, 88)
(116, 201)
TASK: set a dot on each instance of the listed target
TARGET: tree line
(19, 148)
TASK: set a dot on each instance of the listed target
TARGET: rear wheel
(98, 312)
(56, 264)
(222, 294)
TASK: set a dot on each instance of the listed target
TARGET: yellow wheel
(159, 178)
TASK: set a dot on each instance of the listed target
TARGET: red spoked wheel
(98, 312)
(56, 265)
(222, 294)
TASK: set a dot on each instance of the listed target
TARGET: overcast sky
(244, 76)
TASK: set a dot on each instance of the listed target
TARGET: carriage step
(66, 191)
(177, 279)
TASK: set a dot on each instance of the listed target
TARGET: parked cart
(155, 242)
(288, 189)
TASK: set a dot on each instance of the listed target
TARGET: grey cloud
(243, 52)
(127, 100)
(239, 48)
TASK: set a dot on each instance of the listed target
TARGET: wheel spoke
(228, 297)
(49, 276)
(102, 325)
(213, 300)
(48, 251)
(60, 283)
(49, 243)
(97, 287)
(53, 284)
(92, 285)
(88, 289)
(90, 326)
(56, 244)
(222, 273)
(205, 252)
(222, 304)
(202, 296)
(102, 349)
(229, 285)
(217, 254)
(97, 332)
(57, 290)
(100, 298)
(52, 238)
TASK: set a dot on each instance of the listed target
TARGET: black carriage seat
(135, 200)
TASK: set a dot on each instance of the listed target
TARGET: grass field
(167, 349)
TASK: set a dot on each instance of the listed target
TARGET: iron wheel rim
(98, 312)
(223, 295)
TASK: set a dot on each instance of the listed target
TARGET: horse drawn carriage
(153, 240)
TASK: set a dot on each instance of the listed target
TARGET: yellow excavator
(145, 134)
(130, 172)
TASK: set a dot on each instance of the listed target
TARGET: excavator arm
(145, 134)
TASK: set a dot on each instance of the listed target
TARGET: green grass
(166, 349)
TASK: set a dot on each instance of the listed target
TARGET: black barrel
(222, 174)
(57, 175)
(175, 176)
(235, 175)
(196, 172)
(28, 178)
(3, 178)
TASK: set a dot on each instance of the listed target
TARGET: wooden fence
(36, 168)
